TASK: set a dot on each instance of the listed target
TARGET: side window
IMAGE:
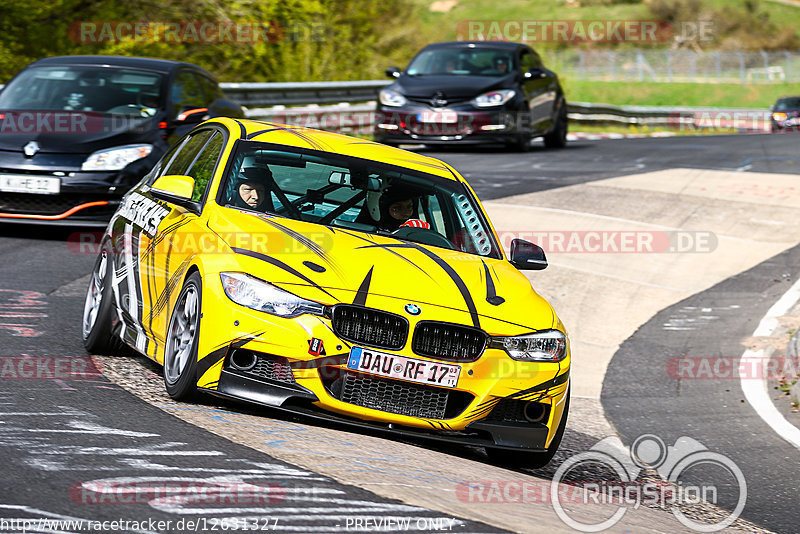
(188, 152)
(210, 89)
(203, 167)
(186, 92)
(527, 62)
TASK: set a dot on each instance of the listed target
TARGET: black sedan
(78, 132)
(786, 115)
(473, 92)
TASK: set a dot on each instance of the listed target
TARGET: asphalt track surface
(63, 441)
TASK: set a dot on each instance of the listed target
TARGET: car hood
(453, 87)
(333, 265)
(67, 132)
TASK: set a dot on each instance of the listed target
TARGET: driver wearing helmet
(252, 189)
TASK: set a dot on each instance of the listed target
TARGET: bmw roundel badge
(413, 309)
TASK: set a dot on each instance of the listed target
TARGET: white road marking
(755, 389)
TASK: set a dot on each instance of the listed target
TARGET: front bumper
(445, 126)
(84, 198)
(487, 407)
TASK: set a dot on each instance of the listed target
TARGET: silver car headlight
(391, 98)
(544, 346)
(493, 98)
(258, 295)
(115, 159)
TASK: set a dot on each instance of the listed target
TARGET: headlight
(114, 159)
(544, 346)
(493, 98)
(253, 293)
(780, 117)
(391, 98)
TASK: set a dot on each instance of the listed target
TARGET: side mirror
(393, 72)
(191, 116)
(526, 255)
(175, 189)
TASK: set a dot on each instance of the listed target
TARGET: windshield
(356, 194)
(462, 61)
(82, 88)
(787, 104)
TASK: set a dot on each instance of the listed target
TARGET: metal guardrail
(269, 100)
(294, 93)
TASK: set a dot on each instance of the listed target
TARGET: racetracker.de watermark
(737, 368)
(182, 492)
(579, 31)
(34, 121)
(616, 241)
(49, 368)
(203, 32)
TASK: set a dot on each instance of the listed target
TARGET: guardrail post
(669, 65)
(612, 64)
(742, 73)
(788, 65)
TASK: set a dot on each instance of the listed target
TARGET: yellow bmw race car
(337, 278)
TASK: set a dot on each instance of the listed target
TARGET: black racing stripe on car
(300, 238)
(307, 138)
(212, 358)
(335, 359)
(256, 134)
(278, 263)
(242, 130)
(491, 294)
(363, 289)
(373, 244)
(425, 164)
(457, 280)
(553, 382)
(169, 287)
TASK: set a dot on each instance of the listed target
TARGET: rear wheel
(180, 353)
(97, 324)
(527, 459)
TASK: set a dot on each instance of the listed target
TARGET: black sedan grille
(450, 342)
(370, 327)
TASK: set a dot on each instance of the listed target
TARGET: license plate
(21, 183)
(438, 117)
(411, 369)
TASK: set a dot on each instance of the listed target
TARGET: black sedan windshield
(462, 61)
(84, 88)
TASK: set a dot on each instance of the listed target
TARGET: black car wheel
(522, 141)
(531, 460)
(557, 137)
(98, 310)
(180, 353)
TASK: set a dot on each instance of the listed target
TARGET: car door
(539, 86)
(156, 240)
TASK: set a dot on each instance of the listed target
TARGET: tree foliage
(306, 39)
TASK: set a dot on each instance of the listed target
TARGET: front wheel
(557, 137)
(97, 323)
(180, 353)
(527, 459)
